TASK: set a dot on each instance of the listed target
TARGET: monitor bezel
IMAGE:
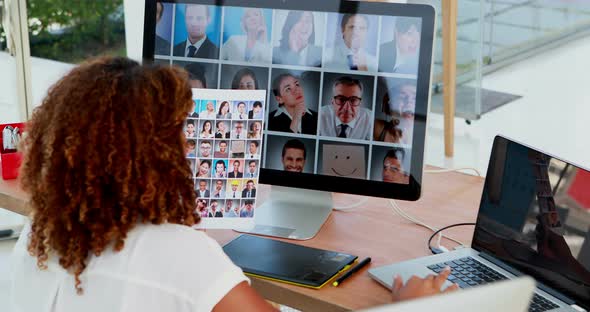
(411, 191)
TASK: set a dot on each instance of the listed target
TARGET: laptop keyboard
(467, 272)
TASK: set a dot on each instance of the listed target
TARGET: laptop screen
(535, 216)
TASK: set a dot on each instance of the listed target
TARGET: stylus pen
(349, 272)
(6, 234)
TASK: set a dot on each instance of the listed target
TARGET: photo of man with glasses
(238, 132)
(393, 171)
(346, 116)
(395, 122)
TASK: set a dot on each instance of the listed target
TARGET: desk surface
(372, 229)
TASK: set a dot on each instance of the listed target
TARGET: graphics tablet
(285, 262)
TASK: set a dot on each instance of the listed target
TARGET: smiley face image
(344, 161)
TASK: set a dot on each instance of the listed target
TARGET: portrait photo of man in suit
(290, 154)
(249, 191)
(401, 54)
(252, 171)
(354, 48)
(346, 112)
(390, 165)
(219, 190)
(203, 191)
(256, 111)
(196, 44)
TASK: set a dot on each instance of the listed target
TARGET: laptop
(533, 220)
(515, 294)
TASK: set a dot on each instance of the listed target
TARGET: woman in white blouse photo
(252, 45)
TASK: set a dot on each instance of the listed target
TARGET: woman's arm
(243, 298)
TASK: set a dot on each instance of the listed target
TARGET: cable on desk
(414, 220)
(440, 231)
(452, 170)
(363, 200)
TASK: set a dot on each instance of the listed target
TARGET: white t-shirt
(164, 267)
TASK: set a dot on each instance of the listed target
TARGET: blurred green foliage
(74, 30)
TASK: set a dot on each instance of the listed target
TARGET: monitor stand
(292, 213)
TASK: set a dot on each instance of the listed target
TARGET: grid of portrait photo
(223, 143)
(341, 87)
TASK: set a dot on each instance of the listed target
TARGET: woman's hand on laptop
(417, 287)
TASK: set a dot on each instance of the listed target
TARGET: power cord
(398, 210)
(437, 250)
(451, 170)
(363, 200)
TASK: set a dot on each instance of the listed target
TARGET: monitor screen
(535, 215)
(347, 83)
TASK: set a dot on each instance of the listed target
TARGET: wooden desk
(370, 230)
(12, 197)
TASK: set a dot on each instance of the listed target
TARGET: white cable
(451, 170)
(400, 212)
(410, 218)
(363, 200)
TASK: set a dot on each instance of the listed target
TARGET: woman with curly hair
(112, 207)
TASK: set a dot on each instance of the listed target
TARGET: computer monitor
(348, 91)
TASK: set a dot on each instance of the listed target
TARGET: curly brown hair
(104, 151)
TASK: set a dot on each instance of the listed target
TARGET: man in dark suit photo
(196, 19)
(249, 191)
(400, 55)
(256, 112)
(203, 192)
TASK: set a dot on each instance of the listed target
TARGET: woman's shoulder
(166, 232)
(172, 240)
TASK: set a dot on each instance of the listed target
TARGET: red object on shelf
(10, 161)
(578, 190)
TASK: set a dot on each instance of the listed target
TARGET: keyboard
(468, 272)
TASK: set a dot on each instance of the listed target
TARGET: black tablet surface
(285, 262)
